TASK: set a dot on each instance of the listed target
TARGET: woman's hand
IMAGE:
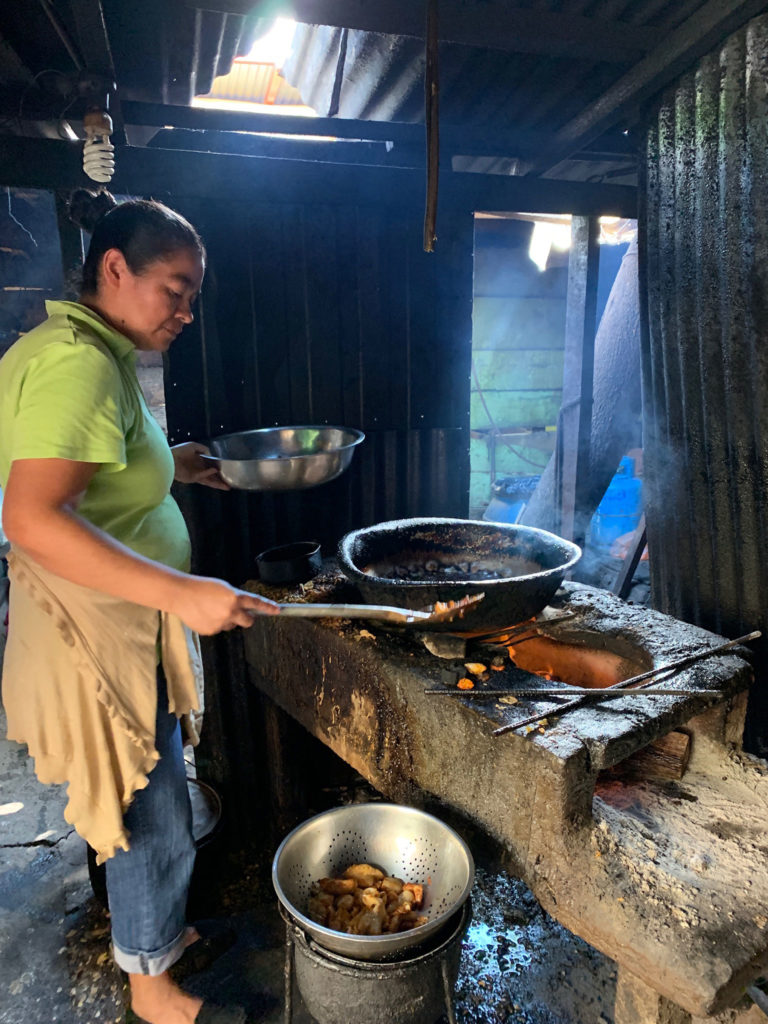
(191, 469)
(210, 606)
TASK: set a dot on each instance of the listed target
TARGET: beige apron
(80, 689)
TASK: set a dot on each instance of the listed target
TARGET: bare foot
(158, 1000)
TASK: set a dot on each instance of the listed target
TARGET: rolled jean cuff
(150, 963)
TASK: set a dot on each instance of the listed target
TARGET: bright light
(275, 46)
(249, 107)
(554, 232)
(547, 236)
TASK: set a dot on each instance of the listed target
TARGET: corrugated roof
(254, 82)
(171, 52)
(165, 51)
(382, 76)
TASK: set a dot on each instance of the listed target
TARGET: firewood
(665, 758)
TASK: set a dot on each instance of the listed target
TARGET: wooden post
(71, 241)
(576, 411)
(626, 573)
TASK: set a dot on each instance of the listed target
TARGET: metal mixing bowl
(284, 458)
(402, 841)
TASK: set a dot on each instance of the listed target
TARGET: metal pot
(406, 842)
(415, 989)
(283, 458)
(290, 563)
(536, 561)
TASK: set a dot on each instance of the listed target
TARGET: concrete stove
(666, 878)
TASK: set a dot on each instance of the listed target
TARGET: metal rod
(520, 629)
(672, 666)
(288, 1008)
(601, 693)
(758, 997)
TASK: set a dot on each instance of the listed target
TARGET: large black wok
(532, 562)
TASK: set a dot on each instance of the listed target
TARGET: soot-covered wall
(704, 265)
(320, 313)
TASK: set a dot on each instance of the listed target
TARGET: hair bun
(86, 208)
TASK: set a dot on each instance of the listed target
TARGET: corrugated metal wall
(327, 314)
(705, 265)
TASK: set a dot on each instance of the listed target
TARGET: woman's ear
(114, 269)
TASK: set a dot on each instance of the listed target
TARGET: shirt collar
(118, 344)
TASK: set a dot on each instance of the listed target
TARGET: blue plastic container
(622, 505)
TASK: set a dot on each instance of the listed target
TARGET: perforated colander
(402, 841)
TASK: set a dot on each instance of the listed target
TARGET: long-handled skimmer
(381, 613)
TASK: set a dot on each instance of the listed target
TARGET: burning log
(666, 759)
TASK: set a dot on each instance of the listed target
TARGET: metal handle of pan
(382, 613)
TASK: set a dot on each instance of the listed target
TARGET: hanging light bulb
(98, 151)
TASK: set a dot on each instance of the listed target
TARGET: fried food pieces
(365, 901)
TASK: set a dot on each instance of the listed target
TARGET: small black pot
(290, 563)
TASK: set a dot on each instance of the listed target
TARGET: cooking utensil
(600, 693)
(402, 841)
(673, 666)
(536, 562)
(283, 458)
(381, 613)
(290, 563)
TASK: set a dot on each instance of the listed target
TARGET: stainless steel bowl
(402, 841)
(284, 458)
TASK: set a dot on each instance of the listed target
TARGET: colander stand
(331, 976)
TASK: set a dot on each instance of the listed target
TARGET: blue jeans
(147, 885)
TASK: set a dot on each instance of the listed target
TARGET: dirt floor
(518, 966)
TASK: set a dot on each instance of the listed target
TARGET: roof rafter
(705, 29)
(88, 16)
(455, 139)
(42, 163)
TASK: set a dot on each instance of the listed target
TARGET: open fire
(575, 664)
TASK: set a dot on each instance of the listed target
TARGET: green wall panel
(521, 370)
(515, 409)
(479, 489)
(511, 322)
(508, 461)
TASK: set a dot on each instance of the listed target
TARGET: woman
(102, 657)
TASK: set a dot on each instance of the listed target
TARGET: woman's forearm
(66, 544)
(39, 517)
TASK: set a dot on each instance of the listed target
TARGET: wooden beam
(699, 34)
(626, 573)
(490, 24)
(45, 163)
(71, 241)
(91, 29)
(575, 426)
(299, 147)
(14, 68)
(465, 140)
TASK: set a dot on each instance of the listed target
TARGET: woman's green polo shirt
(68, 390)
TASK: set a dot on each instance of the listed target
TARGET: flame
(547, 672)
(498, 638)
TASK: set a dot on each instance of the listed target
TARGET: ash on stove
(519, 966)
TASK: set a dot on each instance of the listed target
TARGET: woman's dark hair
(142, 229)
